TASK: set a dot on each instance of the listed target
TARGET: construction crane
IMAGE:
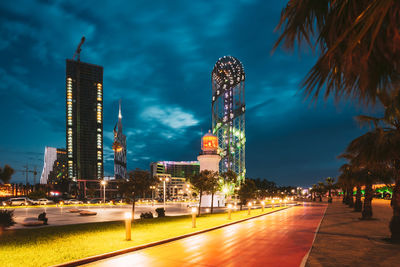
(78, 50)
(27, 171)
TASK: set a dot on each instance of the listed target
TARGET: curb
(305, 258)
(152, 244)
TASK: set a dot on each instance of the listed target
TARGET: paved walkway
(344, 240)
(279, 239)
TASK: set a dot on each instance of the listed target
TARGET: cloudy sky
(158, 57)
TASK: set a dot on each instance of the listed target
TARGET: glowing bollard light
(285, 202)
(272, 205)
(229, 211)
(249, 205)
(280, 203)
(194, 211)
(262, 206)
(128, 222)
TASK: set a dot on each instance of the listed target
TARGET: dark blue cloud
(158, 58)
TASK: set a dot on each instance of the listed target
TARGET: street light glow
(128, 215)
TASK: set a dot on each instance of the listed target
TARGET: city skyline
(159, 61)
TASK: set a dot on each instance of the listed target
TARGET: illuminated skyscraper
(228, 114)
(119, 147)
(84, 112)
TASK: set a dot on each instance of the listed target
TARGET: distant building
(84, 120)
(119, 147)
(55, 165)
(177, 173)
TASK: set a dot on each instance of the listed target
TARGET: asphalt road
(62, 216)
(279, 239)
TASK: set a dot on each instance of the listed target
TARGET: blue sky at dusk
(158, 57)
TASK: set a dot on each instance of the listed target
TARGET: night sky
(158, 57)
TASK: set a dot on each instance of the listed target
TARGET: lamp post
(153, 188)
(164, 179)
(262, 206)
(194, 211)
(272, 205)
(103, 183)
(249, 205)
(229, 211)
(128, 222)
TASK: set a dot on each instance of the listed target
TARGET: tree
(138, 183)
(321, 189)
(213, 185)
(229, 182)
(247, 192)
(357, 40)
(200, 184)
(329, 186)
(6, 174)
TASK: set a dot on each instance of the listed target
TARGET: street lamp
(128, 222)
(262, 206)
(194, 211)
(103, 183)
(229, 211)
(249, 205)
(153, 189)
(272, 205)
(164, 179)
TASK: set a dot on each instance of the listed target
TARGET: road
(279, 239)
(61, 215)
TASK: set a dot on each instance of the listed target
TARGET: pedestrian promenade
(344, 240)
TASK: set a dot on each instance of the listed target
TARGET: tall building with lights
(119, 147)
(84, 120)
(228, 114)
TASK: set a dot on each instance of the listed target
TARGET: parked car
(19, 201)
(73, 201)
(95, 201)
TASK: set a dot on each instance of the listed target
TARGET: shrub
(6, 218)
(146, 215)
(160, 212)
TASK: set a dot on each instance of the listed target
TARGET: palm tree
(314, 190)
(329, 185)
(346, 179)
(321, 189)
(358, 41)
(6, 174)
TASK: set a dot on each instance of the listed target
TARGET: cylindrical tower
(209, 159)
(228, 114)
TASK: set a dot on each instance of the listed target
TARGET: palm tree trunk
(395, 222)
(358, 204)
(201, 193)
(344, 196)
(212, 201)
(367, 209)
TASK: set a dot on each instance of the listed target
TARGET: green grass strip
(59, 244)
